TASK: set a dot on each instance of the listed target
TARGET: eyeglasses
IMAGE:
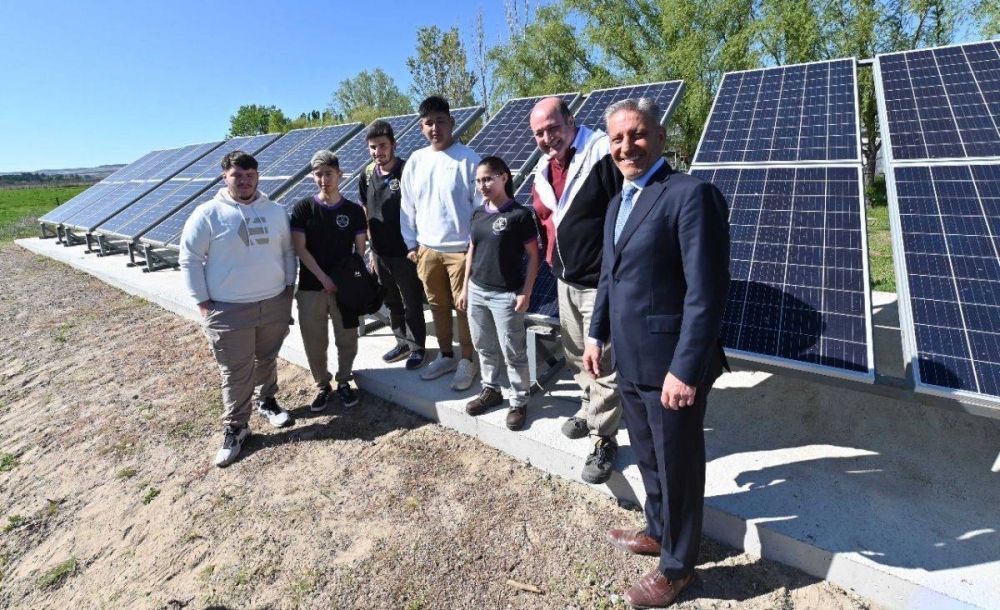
(488, 180)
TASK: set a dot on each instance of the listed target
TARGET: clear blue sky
(87, 83)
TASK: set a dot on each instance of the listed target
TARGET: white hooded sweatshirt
(237, 253)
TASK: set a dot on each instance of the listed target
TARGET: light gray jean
(499, 336)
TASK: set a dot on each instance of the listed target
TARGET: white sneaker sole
(433, 373)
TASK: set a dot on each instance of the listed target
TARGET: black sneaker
(276, 416)
(232, 442)
(321, 402)
(416, 359)
(487, 398)
(347, 395)
(597, 468)
(575, 427)
(396, 354)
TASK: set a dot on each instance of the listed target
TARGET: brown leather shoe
(655, 590)
(634, 541)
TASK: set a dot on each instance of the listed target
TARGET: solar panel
(942, 103)
(190, 182)
(407, 141)
(948, 223)
(296, 160)
(508, 135)
(799, 289)
(169, 165)
(800, 113)
(523, 193)
(666, 95)
(101, 189)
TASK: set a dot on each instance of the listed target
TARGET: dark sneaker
(515, 417)
(416, 359)
(232, 442)
(397, 353)
(487, 399)
(321, 402)
(276, 416)
(347, 395)
(575, 427)
(597, 468)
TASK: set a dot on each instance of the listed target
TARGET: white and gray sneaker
(232, 442)
(276, 416)
(465, 374)
(440, 365)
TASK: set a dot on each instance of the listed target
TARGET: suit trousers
(404, 297)
(601, 406)
(245, 339)
(316, 310)
(669, 447)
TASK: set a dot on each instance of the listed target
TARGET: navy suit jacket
(663, 286)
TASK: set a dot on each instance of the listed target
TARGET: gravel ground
(109, 413)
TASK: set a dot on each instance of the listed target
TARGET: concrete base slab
(896, 500)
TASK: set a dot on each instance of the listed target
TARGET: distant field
(20, 208)
(880, 249)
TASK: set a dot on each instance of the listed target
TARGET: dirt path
(108, 422)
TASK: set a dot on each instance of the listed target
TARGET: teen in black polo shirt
(497, 290)
(326, 229)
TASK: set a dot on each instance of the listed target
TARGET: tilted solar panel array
(352, 156)
(799, 113)
(163, 201)
(783, 146)
(940, 113)
(544, 304)
(283, 160)
(169, 165)
(101, 189)
(508, 134)
(413, 139)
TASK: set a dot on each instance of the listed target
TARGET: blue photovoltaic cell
(798, 288)
(787, 114)
(949, 216)
(163, 230)
(523, 193)
(508, 134)
(168, 164)
(101, 189)
(943, 103)
(591, 113)
(354, 154)
(156, 205)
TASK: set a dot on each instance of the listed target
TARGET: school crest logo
(394, 185)
(499, 225)
(343, 220)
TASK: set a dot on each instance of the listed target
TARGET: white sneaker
(276, 416)
(464, 375)
(441, 365)
(232, 442)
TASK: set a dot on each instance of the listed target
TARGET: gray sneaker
(597, 468)
(232, 443)
(439, 366)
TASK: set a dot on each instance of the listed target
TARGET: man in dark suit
(661, 295)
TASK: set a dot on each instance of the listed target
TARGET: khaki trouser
(601, 407)
(246, 339)
(443, 274)
(315, 309)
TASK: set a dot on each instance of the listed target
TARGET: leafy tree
(252, 120)
(440, 67)
(367, 96)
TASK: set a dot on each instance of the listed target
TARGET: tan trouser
(246, 339)
(602, 407)
(315, 309)
(443, 274)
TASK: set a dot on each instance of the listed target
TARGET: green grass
(125, 473)
(150, 495)
(57, 574)
(7, 462)
(880, 250)
(21, 208)
(14, 521)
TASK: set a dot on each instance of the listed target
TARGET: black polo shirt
(330, 231)
(498, 236)
(379, 194)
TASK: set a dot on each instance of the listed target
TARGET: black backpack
(358, 289)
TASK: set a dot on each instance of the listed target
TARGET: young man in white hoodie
(239, 266)
(437, 197)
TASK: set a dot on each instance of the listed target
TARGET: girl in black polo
(497, 289)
